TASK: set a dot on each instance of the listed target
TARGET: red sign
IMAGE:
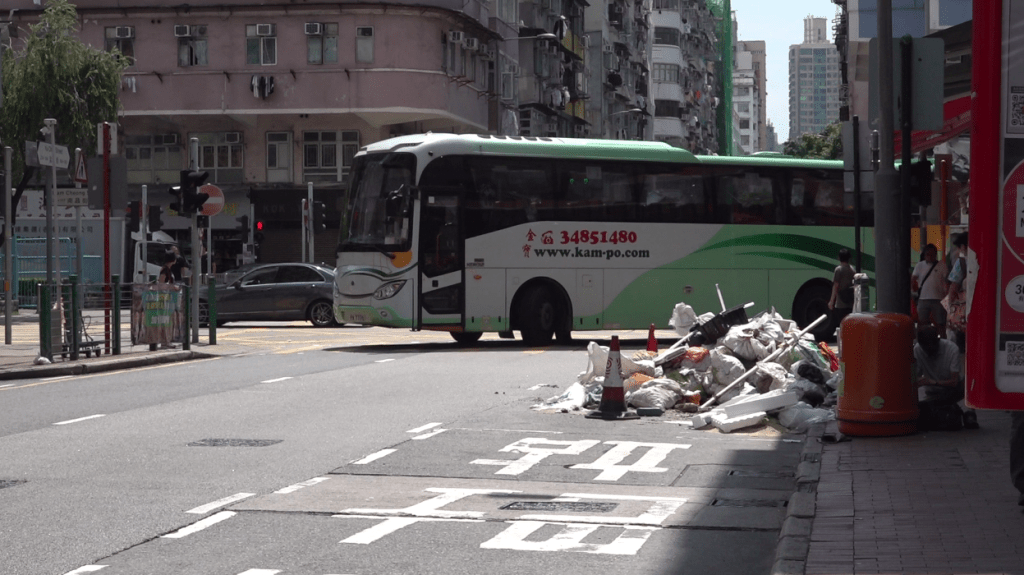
(215, 203)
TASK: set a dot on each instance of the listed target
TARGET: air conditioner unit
(617, 9)
(513, 68)
(581, 130)
(264, 29)
(554, 49)
(585, 41)
(233, 137)
(182, 31)
(608, 49)
(199, 30)
(471, 43)
(124, 32)
(552, 126)
(456, 37)
(487, 52)
(314, 28)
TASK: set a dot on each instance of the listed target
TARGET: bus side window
(674, 198)
(750, 197)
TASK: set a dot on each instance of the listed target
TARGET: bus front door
(441, 294)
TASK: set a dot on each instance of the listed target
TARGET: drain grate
(234, 442)
(748, 503)
(578, 506)
(762, 474)
(11, 482)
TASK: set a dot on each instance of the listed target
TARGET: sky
(780, 25)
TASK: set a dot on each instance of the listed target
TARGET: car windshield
(376, 178)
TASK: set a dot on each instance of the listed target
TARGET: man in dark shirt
(841, 302)
(180, 268)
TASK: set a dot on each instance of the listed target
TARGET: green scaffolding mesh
(723, 31)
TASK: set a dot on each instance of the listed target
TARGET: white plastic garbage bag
(749, 341)
(801, 417)
(724, 367)
(571, 399)
(769, 376)
(683, 318)
(597, 364)
(661, 393)
(695, 380)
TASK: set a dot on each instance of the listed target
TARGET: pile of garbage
(728, 371)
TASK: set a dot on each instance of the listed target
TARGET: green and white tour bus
(475, 233)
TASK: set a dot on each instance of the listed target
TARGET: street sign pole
(79, 263)
(8, 264)
(50, 124)
(309, 221)
(144, 232)
(197, 254)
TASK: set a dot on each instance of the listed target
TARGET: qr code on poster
(1014, 353)
(1017, 110)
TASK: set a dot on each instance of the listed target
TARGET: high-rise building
(813, 80)
(749, 93)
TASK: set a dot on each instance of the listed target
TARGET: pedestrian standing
(841, 302)
(929, 279)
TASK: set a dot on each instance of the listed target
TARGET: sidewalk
(929, 503)
(17, 360)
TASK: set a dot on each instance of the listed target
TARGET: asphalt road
(362, 451)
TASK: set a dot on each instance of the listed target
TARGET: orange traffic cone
(652, 342)
(613, 394)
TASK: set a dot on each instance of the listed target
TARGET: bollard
(186, 340)
(45, 343)
(116, 334)
(211, 310)
(75, 310)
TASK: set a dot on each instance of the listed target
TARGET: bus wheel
(811, 302)
(537, 315)
(466, 337)
(564, 336)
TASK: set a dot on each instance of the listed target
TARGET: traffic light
(176, 204)
(133, 216)
(156, 221)
(319, 216)
(192, 200)
(243, 228)
(258, 235)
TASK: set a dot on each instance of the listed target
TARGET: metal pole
(50, 124)
(144, 232)
(906, 156)
(309, 217)
(856, 192)
(76, 339)
(209, 246)
(8, 250)
(893, 281)
(197, 253)
(106, 235)
(305, 228)
(79, 258)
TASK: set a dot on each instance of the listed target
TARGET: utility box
(877, 396)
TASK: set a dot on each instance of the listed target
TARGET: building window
(364, 44)
(744, 124)
(261, 44)
(122, 39)
(153, 159)
(191, 47)
(666, 36)
(327, 155)
(666, 109)
(279, 156)
(666, 5)
(220, 153)
(507, 10)
(668, 73)
(322, 48)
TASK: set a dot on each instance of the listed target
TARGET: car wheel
(466, 337)
(321, 314)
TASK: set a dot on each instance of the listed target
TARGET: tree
(55, 75)
(828, 145)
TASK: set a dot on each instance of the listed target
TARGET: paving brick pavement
(928, 503)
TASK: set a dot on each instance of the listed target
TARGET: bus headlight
(388, 290)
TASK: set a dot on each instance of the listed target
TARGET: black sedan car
(285, 292)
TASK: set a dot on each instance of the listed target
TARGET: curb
(103, 365)
(795, 537)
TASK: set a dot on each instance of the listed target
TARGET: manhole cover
(592, 507)
(11, 482)
(748, 503)
(234, 442)
(764, 474)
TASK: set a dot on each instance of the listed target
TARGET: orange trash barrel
(877, 396)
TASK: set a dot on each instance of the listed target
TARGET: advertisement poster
(158, 314)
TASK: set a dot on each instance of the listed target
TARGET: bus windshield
(380, 200)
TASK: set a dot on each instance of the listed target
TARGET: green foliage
(828, 145)
(55, 75)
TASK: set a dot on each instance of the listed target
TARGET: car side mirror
(237, 284)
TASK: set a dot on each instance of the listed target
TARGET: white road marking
(275, 380)
(6, 385)
(429, 435)
(48, 379)
(570, 538)
(79, 419)
(297, 486)
(432, 507)
(85, 569)
(384, 360)
(661, 509)
(219, 503)
(374, 456)
(535, 454)
(424, 427)
(390, 525)
(260, 572)
(609, 466)
(200, 525)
